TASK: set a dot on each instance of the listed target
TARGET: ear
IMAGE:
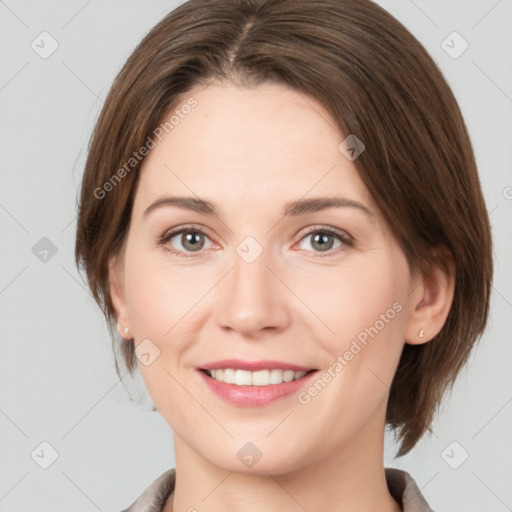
(431, 299)
(117, 294)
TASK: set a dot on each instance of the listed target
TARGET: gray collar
(401, 486)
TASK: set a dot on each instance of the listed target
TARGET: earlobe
(123, 331)
(431, 300)
(117, 294)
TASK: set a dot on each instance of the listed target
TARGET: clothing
(400, 484)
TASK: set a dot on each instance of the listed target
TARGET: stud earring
(121, 330)
(421, 333)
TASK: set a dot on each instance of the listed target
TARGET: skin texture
(250, 151)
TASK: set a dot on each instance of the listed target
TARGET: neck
(351, 478)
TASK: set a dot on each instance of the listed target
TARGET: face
(263, 282)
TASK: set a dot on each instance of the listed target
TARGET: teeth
(228, 375)
(259, 378)
(243, 378)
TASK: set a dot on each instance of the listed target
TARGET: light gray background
(58, 382)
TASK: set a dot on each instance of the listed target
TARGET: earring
(125, 329)
(421, 333)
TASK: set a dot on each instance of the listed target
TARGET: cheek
(357, 301)
(165, 305)
(160, 305)
(160, 297)
(353, 387)
(365, 310)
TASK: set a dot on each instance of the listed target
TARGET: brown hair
(378, 82)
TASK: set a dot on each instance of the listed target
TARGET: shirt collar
(401, 486)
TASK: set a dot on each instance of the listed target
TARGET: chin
(251, 460)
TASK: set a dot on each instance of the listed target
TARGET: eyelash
(344, 238)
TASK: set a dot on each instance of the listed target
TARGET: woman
(281, 214)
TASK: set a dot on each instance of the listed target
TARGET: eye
(189, 241)
(185, 240)
(323, 240)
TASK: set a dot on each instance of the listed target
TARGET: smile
(258, 378)
(254, 384)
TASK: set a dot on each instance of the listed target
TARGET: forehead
(249, 144)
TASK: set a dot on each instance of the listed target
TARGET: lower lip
(254, 396)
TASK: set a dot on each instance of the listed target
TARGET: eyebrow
(292, 209)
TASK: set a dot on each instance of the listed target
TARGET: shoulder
(405, 491)
(154, 497)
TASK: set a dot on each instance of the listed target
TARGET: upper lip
(239, 364)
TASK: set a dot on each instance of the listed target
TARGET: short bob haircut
(378, 82)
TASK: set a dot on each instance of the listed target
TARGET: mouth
(257, 378)
(250, 384)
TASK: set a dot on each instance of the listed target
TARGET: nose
(252, 299)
